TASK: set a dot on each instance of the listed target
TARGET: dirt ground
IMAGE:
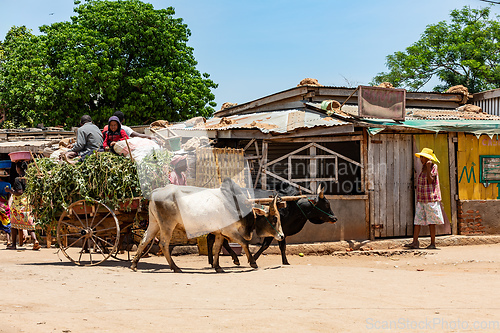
(453, 289)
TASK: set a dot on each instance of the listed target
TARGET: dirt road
(454, 289)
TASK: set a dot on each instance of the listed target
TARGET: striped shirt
(428, 192)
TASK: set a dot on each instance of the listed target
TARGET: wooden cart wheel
(88, 232)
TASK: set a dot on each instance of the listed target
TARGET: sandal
(412, 245)
(431, 247)
(11, 247)
(36, 246)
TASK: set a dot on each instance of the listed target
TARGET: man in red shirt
(428, 210)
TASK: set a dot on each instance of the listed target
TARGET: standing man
(88, 139)
(428, 210)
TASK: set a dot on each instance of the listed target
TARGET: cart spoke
(82, 251)
(102, 230)
(74, 234)
(94, 208)
(100, 249)
(65, 248)
(101, 220)
(90, 254)
(78, 217)
(71, 225)
(105, 241)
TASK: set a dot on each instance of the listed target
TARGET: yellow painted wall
(438, 143)
(469, 149)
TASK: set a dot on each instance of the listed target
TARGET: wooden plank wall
(390, 172)
(469, 149)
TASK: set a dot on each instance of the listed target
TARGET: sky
(253, 49)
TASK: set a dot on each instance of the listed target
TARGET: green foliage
(22, 76)
(113, 55)
(153, 171)
(104, 177)
(465, 51)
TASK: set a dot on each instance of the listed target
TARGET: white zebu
(226, 206)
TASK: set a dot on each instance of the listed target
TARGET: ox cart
(89, 232)
(96, 207)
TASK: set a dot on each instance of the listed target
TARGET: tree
(22, 76)
(113, 55)
(465, 51)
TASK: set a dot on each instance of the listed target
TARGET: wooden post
(453, 183)
(370, 188)
(263, 179)
(365, 184)
(249, 144)
(36, 165)
(129, 151)
(261, 163)
(48, 231)
(217, 165)
(313, 169)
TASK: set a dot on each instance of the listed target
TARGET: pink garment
(428, 192)
(177, 179)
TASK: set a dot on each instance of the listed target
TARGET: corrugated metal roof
(424, 114)
(448, 115)
(268, 122)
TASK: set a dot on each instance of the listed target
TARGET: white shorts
(428, 213)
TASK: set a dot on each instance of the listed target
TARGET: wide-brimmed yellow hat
(429, 153)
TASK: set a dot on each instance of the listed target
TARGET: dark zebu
(165, 215)
(293, 218)
(261, 221)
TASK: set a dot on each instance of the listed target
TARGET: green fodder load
(153, 171)
(104, 177)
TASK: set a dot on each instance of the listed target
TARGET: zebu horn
(321, 193)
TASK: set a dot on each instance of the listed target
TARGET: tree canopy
(465, 51)
(113, 55)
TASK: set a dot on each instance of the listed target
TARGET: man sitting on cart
(88, 139)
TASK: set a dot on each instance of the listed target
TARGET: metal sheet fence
(490, 105)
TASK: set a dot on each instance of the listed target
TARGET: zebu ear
(257, 211)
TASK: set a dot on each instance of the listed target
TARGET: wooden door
(438, 143)
(390, 163)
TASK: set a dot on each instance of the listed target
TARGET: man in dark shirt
(88, 139)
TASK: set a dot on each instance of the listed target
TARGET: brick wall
(470, 222)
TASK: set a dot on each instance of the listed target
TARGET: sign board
(386, 103)
(489, 171)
